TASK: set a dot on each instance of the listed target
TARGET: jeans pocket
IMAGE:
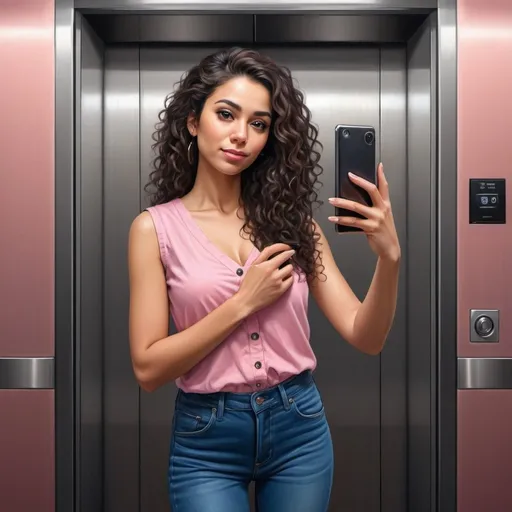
(308, 403)
(193, 421)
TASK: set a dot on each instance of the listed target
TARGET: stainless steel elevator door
(365, 396)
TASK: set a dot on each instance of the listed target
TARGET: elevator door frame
(442, 421)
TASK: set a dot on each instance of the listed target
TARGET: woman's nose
(239, 135)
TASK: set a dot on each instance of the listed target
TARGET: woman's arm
(365, 325)
(158, 358)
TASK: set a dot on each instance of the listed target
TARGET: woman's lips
(234, 155)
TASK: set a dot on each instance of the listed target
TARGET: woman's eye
(225, 114)
(260, 125)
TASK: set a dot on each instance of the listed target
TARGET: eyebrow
(239, 108)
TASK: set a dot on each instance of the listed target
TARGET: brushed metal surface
(393, 360)
(89, 262)
(261, 28)
(261, 5)
(65, 313)
(420, 241)
(176, 28)
(484, 373)
(26, 372)
(121, 204)
(64, 111)
(302, 28)
(444, 421)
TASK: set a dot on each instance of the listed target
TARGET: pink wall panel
(27, 451)
(485, 451)
(484, 151)
(27, 171)
(484, 252)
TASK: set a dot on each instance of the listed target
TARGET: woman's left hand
(378, 224)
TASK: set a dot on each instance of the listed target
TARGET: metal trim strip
(27, 373)
(484, 373)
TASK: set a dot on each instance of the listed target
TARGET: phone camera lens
(368, 138)
(345, 134)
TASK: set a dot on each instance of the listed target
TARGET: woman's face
(234, 125)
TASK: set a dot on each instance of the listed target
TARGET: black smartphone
(355, 153)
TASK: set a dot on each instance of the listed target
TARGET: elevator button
(257, 365)
(484, 326)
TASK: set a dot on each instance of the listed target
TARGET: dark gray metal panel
(342, 86)
(357, 28)
(121, 206)
(262, 5)
(484, 373)
(243, 28)
(177, 28)
(27, 372)
(393, 107)
(420, 269)
(64, 257)
(447, 256)
(89, 261)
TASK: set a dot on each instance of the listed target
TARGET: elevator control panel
(487, 201)
(484, 326)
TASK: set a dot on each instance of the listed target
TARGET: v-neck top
(267, 347)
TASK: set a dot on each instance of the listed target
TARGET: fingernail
(334, 219)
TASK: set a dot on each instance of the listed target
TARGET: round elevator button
(257, 365)
(239, 271)
(484, 326)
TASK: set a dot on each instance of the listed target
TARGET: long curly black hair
(278, 191)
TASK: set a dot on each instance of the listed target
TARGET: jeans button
(260, 400)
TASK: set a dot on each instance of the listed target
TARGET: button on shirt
(266, 348)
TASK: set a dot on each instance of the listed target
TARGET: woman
(231, 249)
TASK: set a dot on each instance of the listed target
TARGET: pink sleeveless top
(266, 348)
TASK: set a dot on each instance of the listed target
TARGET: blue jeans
(278, 437)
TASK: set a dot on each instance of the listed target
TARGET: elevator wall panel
(89, 262)
(419, 271)
(121, 206)
(393, 378)
(484, 253)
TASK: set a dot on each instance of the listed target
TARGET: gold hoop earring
(190, 153)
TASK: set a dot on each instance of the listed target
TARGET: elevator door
(364, 396)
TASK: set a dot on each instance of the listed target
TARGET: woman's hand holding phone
(264, 281)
